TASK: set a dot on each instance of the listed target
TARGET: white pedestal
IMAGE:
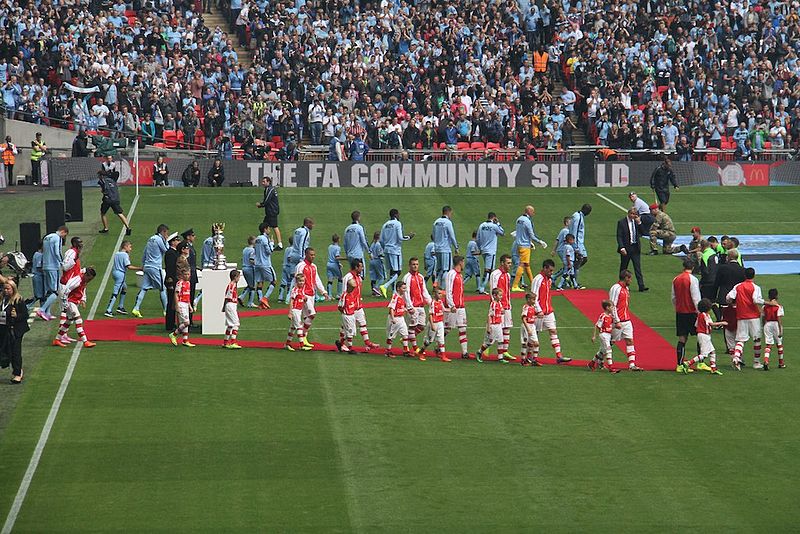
(213, 283)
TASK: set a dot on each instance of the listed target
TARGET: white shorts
(624, 332)
(548, 322)
(527, 333)
(308, 308)
(72, 311)
(772, 333)
(508, 320)
(231, 315)
(456, 319)
(706, 344)
(436, 333)
(748, 328)
(349, 325)
(296, 318)
(361, 319)
(183, 312)
(395, 326)
(605, 341)
(416, 316)
(494, 334)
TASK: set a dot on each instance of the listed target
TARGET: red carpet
(653, 351)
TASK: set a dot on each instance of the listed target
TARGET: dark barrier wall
(441, 174)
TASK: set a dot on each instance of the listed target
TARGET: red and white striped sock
(780, 354)
(767, 351)
(441, 348)
(529, 350)
(757, 349)
(348, 341)
(712, 359)
(506, 337)
(737, 350)
(556, 344)
(364, 334)
(307, 323)
(234, 333)
(388, 344)
(63, 327)
(462, 338)
(290, 335)
(692, 361)
(81, 332)
(341, 335)
(609, 358)
(227, 334)
(631, 355)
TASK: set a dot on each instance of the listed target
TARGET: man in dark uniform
(271, 209)
(171, 268)
(728, 275)
(629, 228)
(107, 178)
(189, 236)
(660, 180)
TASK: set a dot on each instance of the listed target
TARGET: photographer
(216, 174)
(13, 326)
(107, 178)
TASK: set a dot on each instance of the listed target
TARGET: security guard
(38, 150)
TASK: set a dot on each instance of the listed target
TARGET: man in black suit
(171, 268)
(189, 237)
(629, 230)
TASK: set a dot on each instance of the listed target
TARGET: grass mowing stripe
(11, 519)
(344, 460)
(611, 201)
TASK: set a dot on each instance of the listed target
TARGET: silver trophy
(218, 241)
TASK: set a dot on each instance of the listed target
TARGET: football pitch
(150, 437)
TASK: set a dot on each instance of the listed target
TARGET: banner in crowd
(399, 174)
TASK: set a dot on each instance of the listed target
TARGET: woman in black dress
(13, 326)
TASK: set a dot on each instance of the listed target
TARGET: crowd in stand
(411, 74)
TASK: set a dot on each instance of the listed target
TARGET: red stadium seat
(462, 145)
(171, 138)
(493, 146)
(477, 145)
(768, 145)
(159, 145)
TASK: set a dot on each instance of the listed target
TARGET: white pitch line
(11, 519)
(611, 202)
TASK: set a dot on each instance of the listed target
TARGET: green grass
(156, 438)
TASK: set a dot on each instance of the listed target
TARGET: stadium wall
(440, 174)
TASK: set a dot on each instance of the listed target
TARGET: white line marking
(611, 202)
(62, 390)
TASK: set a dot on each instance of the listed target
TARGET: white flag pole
(136, 164)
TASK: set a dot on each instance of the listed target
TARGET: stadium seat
(462, 145)
(492, 146)
(170, 138)
(159, 145)
(477, 145)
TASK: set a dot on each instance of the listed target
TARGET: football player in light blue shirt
(122, 264)
(444, 237)
(333, 267)
(287, 273)
(561, 240)
(376, 268)
(472, 268)
(488, 232)
(152, 259)
(38, 278)
(262, 263)
(391, 238)
(430, 260)
(207, 255)
(578, 229)
(248, 271)
(51, 263)
(355, 240)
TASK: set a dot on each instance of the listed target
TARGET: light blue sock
(270, 289)
(252, 292)
(121, 303)
(390, 281)
(139, 299)
(163, 296)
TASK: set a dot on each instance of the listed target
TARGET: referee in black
(271, 209)
(107, 178)
(660, 181)
(171, 268)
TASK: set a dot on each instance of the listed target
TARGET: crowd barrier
(399, 174)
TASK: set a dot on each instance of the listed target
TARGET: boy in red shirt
(529, 337)
(703, 327)
(231, 312)
(494, 328)
(773, 328)
(297, 300)
(183, 307)
(396, 324)
(602, 329)
(435, 326)
(75, 293)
